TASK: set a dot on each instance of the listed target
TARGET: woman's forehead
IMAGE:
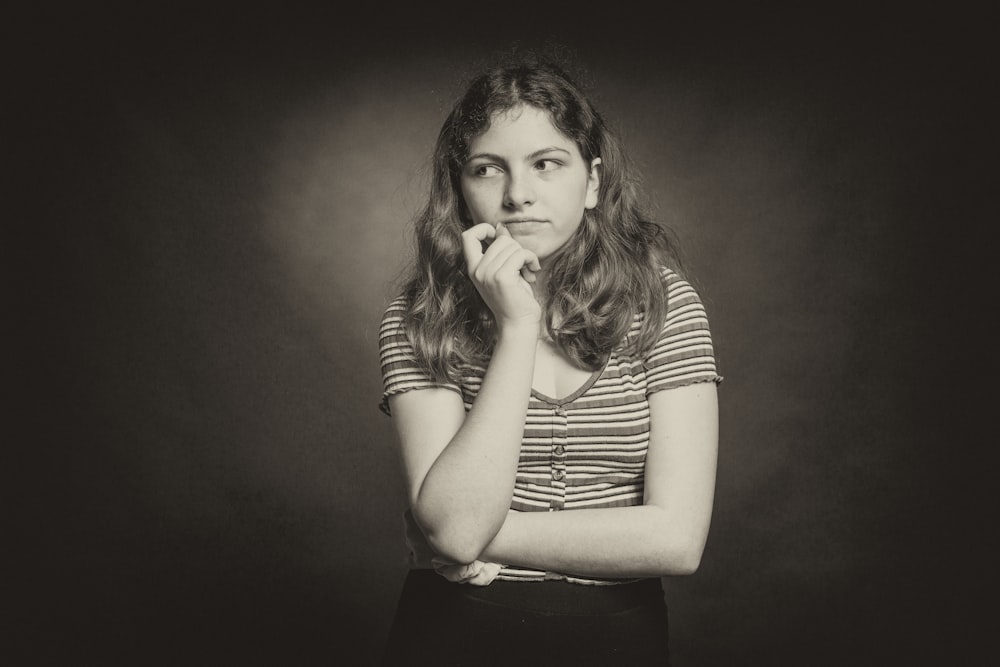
(522, 126)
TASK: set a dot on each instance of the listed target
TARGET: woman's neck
(540, 288)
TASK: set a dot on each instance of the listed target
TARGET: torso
(586, 434)
(555, 375)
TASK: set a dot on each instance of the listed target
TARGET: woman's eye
(546, 165)
(486, 170)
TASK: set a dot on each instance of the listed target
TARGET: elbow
(687, 562)
(681, 545)
(455, 548)
(452, 540)
(681, 557)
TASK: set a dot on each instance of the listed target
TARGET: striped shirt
(587, 449)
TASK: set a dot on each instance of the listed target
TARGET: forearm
(464, 498)
(640, 541)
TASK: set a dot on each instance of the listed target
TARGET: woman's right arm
(460, 468)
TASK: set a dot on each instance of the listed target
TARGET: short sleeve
(400, 370)
(684, 353)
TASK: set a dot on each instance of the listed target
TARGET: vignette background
(217, 210)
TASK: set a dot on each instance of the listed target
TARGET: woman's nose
(519, 191)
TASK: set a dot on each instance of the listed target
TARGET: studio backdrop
(225, 209)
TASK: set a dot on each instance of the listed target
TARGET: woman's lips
(521, 223)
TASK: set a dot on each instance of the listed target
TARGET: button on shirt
(587, 449)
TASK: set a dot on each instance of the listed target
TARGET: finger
(456, 573)
(487, 573)
(496, 257)
(516, 263)
(463, 573)
(502, 230)
(472, 243)
(531, 266)
(533, 262)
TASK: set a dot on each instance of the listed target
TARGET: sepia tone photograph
(497, 336)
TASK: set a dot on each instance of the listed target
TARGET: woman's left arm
(665, 535)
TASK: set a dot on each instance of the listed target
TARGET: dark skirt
(508, 623)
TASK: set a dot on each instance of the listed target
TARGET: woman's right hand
(476, 573)
(502, 274)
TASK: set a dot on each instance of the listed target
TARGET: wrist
(519, 329)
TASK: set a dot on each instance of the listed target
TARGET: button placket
(558, 458)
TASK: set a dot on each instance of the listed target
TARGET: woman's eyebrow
(530, 156)
(484, 156)
(543, 151)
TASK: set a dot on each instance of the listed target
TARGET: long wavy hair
(598, 281)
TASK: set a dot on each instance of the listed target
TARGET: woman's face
(531, 177)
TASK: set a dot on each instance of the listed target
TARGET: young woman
(552, 381)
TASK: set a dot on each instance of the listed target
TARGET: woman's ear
(593, 184)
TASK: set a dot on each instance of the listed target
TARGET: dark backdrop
(216, 211)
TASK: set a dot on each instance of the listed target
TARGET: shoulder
(394, 314)
(681, 293)
(401, 371)
(674, 282)
(392, 332)
(404, 368)
(685, 308)
(397, 307)
(684, 352)
(681, 297)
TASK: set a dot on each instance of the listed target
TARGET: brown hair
(598, 281)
